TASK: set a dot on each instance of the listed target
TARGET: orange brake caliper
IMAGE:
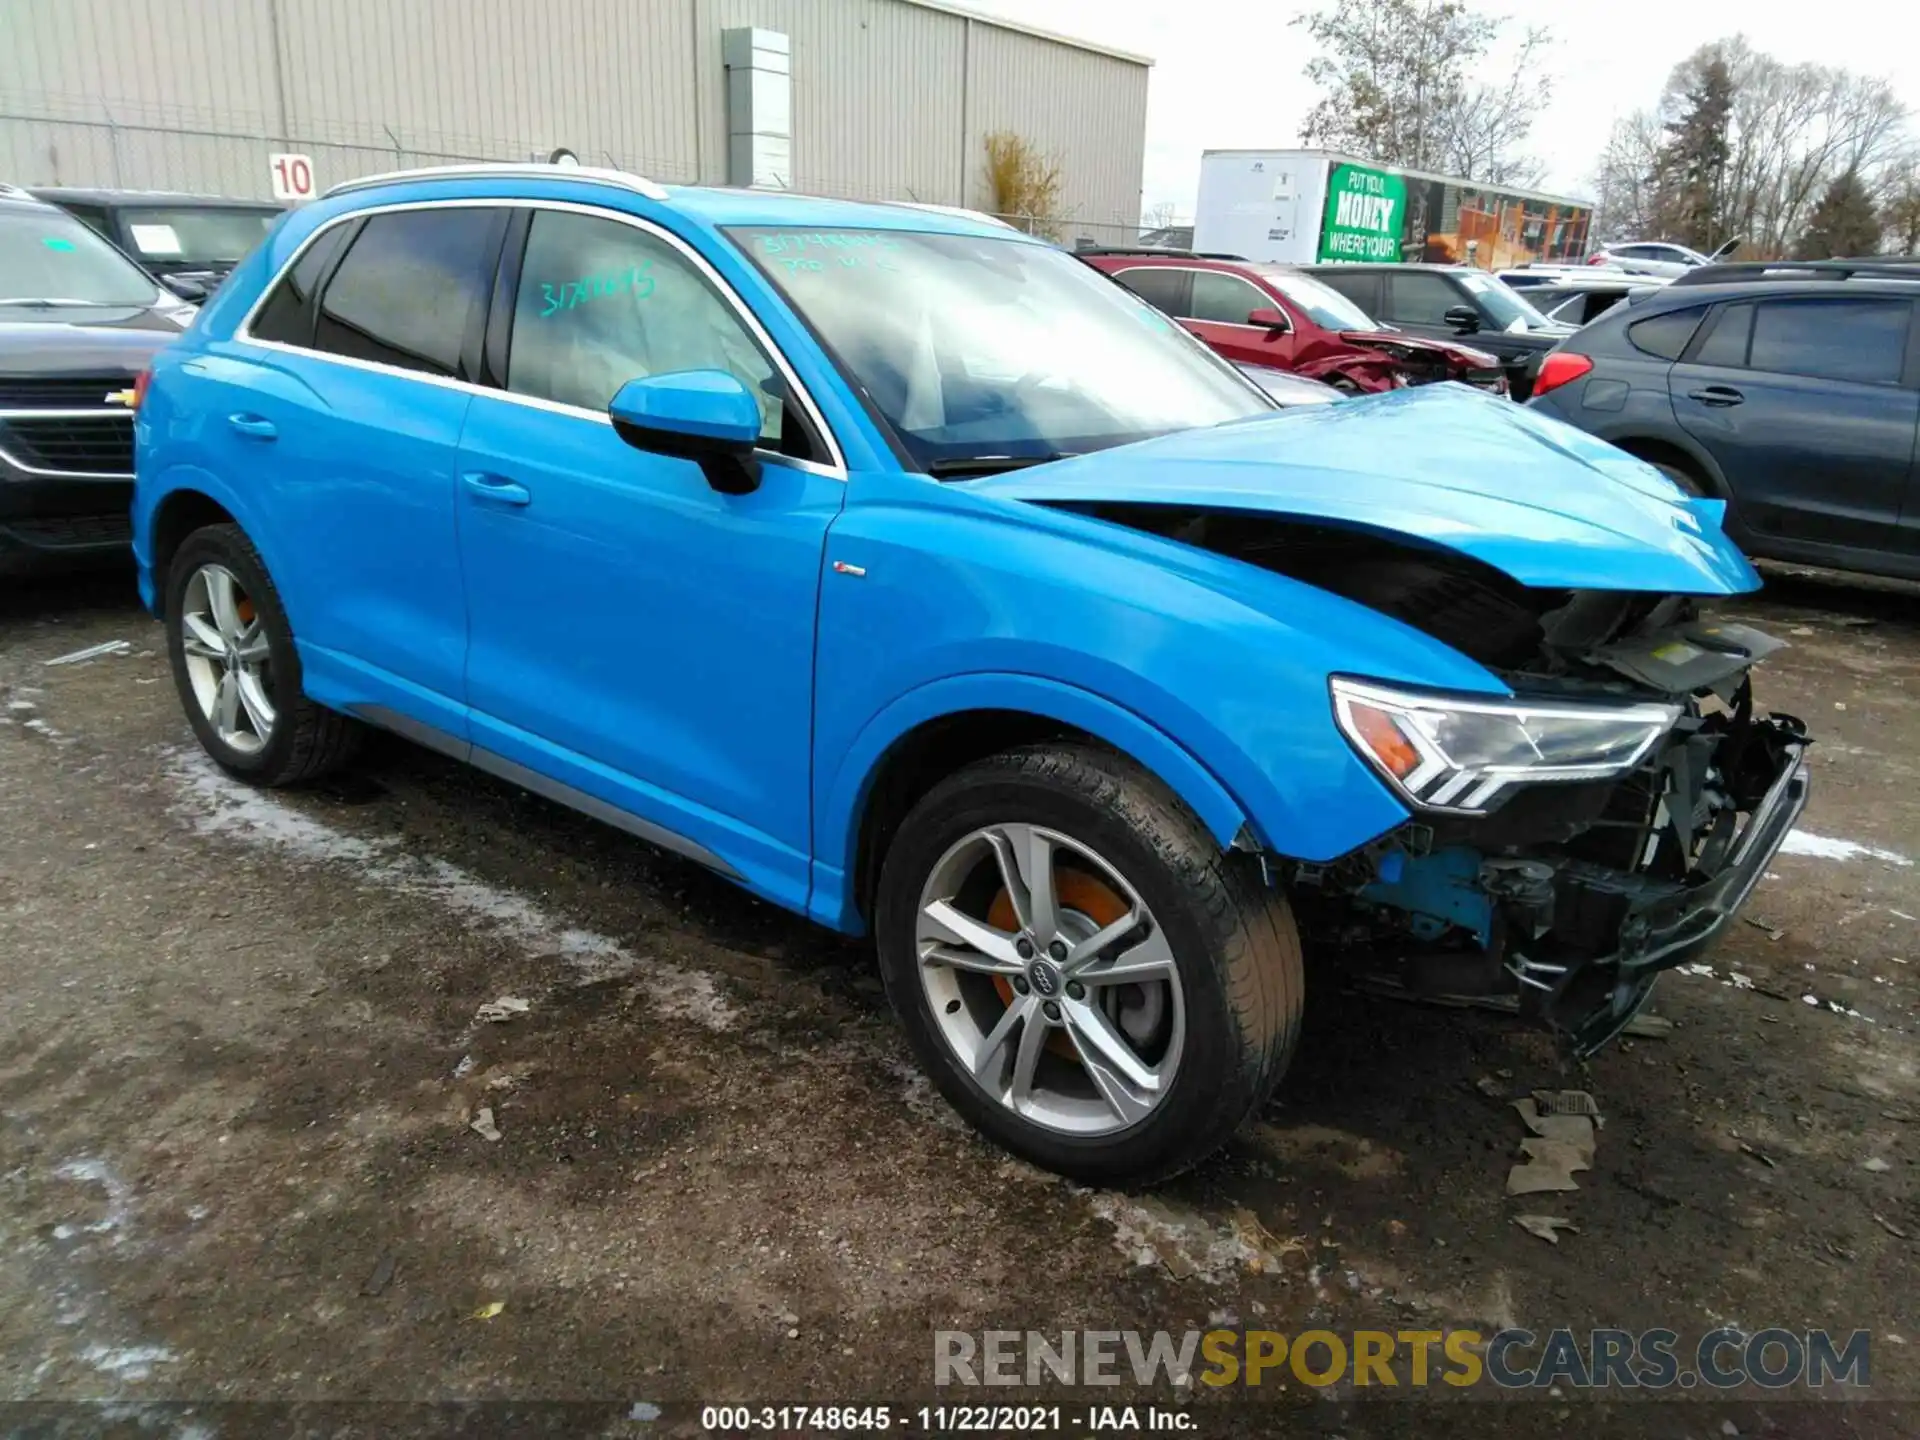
(1075, 890)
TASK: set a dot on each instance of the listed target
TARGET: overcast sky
(1227, 75)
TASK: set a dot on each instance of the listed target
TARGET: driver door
(636, 635)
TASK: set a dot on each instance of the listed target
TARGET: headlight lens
(1459, 755)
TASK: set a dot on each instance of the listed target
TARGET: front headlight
(1459, 755)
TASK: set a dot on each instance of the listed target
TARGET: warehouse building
(866, 99)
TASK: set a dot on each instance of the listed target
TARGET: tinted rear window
(1665, 335)
(410, 287)
(1861, 340)
(1160, 286)
(1726, 343)
(288, 314)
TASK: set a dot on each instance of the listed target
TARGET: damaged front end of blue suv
(1597, 821)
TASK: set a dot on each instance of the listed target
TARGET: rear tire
(236, 668)
(1225, 945)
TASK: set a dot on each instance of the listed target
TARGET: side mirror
(185, 287)
(706, 416)
(1463, 318)
(1269, 319)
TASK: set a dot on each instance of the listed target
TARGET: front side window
(411, 287)
(1860, 340)
(49, 260)
(981, 353)
(1420, 298)
(601, 303)
(1224, 299)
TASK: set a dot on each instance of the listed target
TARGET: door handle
(496, 488)
(1721, 395)
(253, 425)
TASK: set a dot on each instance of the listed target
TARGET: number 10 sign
(292, 176)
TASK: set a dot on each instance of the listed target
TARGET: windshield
(983, 350)
(1509, 309)
(47, 256)
(196, 235)
(1325, 306)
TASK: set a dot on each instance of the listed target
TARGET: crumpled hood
(1544, 502)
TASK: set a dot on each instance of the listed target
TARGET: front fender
(1210, 671)
(846, 791)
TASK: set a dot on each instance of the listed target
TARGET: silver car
(1648, 257)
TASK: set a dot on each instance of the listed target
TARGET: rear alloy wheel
(236, 668)
(228, 660)
(1082, 971)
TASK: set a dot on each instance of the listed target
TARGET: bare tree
(1483, 126)
(1792, 130)
(1157, 217)
(1900, 208)
(1388, 70)
(1626, 201)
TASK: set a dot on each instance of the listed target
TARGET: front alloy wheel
(1081, 969)
(1050, 980)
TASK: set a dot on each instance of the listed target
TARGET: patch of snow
(1822, 847)
(87, 1170)
(216, 804)
(127, 1362)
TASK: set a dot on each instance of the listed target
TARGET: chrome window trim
(1287, 329)
(243, 333)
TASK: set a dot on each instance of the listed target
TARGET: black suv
(1791, 390)
(187, 242)
(1447, 302)
(78, 324)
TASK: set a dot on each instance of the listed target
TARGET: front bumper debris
(1569, 904)
(1590, 994)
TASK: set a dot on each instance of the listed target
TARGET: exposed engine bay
(1568, 898)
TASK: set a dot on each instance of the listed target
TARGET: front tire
(236, 668)
(1081, 970)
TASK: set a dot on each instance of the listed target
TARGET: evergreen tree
(1690, 170)
(1843, 223)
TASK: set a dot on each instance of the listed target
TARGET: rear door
(1809, 408)
(339, 412)
(1362, 287)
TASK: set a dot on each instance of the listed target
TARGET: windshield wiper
(992, 464)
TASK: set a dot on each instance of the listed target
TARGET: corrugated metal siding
(890, 100)
(610, 79)
(1087, 110)
(876, 94)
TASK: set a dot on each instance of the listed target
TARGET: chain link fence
(112, 150)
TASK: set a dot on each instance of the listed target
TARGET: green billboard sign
(1365, 215)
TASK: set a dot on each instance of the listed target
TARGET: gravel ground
(242, 1050)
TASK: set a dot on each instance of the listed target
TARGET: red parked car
(1254, 313)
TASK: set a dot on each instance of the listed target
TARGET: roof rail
(1884, 268)
(510, 170)
(1165, 250)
